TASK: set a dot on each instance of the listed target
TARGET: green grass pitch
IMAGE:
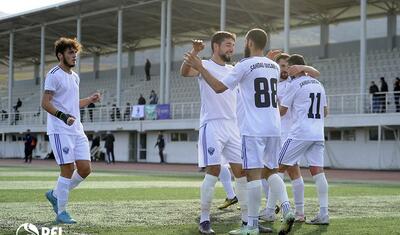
(126, 202)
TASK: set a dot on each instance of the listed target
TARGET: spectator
(127, 113)
(384, 90)
(115, 113)
(153, 97)
(94, 149)
(95, 142)
(109, 145)
(91, 107)
(147, 67)
(4, 115)
(16, 118)
(161, 145)
(141, 100)
(28, 146)
(373, 89)
(19, 104)
(396, 89)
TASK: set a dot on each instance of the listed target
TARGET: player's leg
(289, 156)
(232, 153)
(253, 148)
(209, 150)
(62, 146)
(226, 180)
(82, 161)
(298, 191)
(315, 158)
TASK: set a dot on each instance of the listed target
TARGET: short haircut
(219, 36)
(62, 44)
(259, 37)
(281, 56)
(296, 59)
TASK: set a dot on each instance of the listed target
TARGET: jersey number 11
(310, 111)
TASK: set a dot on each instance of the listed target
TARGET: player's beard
(284, 75)
(68, 64)
(225, 57)
(246, 51)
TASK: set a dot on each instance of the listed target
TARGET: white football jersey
(305, 97)
(66, 99)
(216, 106)
(286, 121)
(257, 79)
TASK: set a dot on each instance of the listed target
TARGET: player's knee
(315, 170)
(85, 171)
(213, 170)
(294, 172)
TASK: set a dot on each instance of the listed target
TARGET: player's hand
(198, 45)
(295, 69)
(272, 54)
(95, 97)
(193, 61)
(70, 121)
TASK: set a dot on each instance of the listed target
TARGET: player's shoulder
(55, 70)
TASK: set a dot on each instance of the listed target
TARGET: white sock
(254, 202)
(206, 195)
(282, 175)
(265, 186)
(298, 195)
(62, 193)
(76, 179)
(322, 189)
(278, 191)
(226, 180)
(241, 193)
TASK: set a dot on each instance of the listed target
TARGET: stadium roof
(141, 21)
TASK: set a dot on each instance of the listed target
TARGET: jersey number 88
(263, 98)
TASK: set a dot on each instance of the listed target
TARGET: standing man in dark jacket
(91, 106)
(109, 145)
(29, 146)
(147, 67)
(373, 89)
(161, 145)
(396, 89)
(385, 89)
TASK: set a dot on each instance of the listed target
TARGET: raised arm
(94, 98)
(187, 70)
(309, 70)
(195, 62)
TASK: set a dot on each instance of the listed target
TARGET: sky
(17, 6)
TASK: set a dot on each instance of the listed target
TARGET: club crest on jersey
(211, 150)
(66, 150)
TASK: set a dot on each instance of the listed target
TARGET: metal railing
(338, 104)
(380, 102)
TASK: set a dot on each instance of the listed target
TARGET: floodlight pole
(287, 25)
(42, 67)
(363, 50)
(10, 74)
(78, 37)
(223, 15)
(162, 51)
(168, 52)
(119, 58)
